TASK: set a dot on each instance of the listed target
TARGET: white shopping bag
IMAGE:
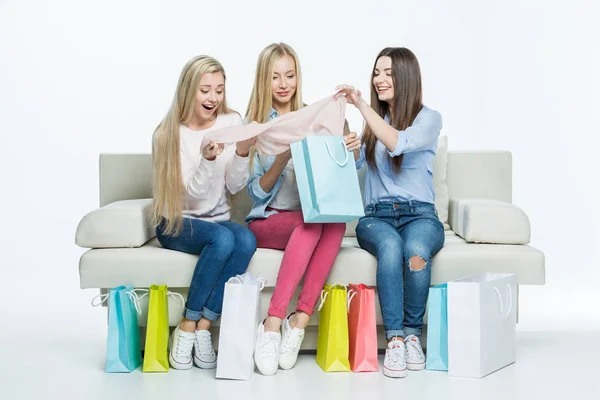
(482, 318)
(238, 329)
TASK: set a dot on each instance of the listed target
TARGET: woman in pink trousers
(276, 217)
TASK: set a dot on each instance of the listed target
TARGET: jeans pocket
(424, 210)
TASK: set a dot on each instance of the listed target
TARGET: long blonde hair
(168, 190)
(261, 100)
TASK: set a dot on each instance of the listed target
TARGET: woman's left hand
(352, 141)
(243, 148)
(353, 96)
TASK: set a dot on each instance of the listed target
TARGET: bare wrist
(242, 154)
(362, 104)
(281, 162)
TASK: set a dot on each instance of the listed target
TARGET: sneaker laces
(414, 349)
(204, 345)
(293, 339)
(268, 349)
(396, 355)
(184, 345)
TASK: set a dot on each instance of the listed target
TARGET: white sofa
(486, 233)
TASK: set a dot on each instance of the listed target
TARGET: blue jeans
(225, 250)
(395, 232)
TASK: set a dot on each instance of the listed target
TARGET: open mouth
(208, 108)
(383, 89)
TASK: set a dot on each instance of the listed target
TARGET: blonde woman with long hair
(276, 217)
(192, 188)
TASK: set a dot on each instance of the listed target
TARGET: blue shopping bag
(437, 328)
(123, 352)
(327, 180)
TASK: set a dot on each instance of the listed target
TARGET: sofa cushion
(489, 221)
(151, 264)
(123, 223)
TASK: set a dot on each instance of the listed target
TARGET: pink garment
(325, 117)
(310, 250)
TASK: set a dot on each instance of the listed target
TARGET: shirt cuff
(400, 145)
(361, 159)
(258, 190)
(237, 159)
(208, 164)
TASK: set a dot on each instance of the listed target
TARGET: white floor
(558, 357)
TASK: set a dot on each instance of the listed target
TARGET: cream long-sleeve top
(208, 183)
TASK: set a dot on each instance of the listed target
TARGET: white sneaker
(204, 354)
(415, 358)
(394, 364)
(291, 340)
(182, 343)
(266, 352)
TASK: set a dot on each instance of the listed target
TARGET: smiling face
(209, 96)
(382, 79)
(284, 82)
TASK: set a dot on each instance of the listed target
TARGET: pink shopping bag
(362, 328)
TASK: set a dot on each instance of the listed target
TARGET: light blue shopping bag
(123, 353)
(327, 180)
(437, 328)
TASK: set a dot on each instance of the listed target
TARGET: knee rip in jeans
(417, 263)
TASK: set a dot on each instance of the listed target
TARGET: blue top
(262, 199)
(418, 143)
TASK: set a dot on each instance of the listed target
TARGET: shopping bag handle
(135, 299)
(324, 294)
(239, 279)
(175, 294)
(510, 304)
(323, 298)
(102, 297)
(263, 283)
(350, 297)
(236, 279)
(341, 164)
(131, 293)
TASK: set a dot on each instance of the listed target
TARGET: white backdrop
(78, 78)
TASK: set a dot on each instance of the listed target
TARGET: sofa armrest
(489, 221)
(124, 223)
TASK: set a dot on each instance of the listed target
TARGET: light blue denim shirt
(418, 143)
(262, 199)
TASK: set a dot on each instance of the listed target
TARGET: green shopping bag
(332, 342)
(156, 353)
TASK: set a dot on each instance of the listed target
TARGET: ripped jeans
(404, 237)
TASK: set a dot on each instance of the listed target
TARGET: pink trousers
(310, 251)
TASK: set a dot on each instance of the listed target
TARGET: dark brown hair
(407, 101)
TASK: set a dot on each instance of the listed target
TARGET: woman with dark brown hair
(401, 226)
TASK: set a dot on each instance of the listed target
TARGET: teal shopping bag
(123, 352)
(327, 180)
(437, 328)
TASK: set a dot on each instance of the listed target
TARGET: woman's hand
(283, 158)
(243, 148)
(353, 96)
(352, 141)
(212, 150)
(269, 179)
